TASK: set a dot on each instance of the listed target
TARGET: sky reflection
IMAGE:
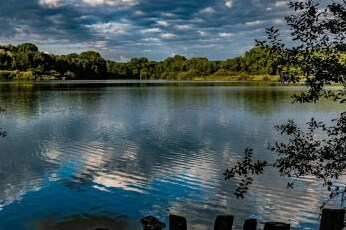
(135, 151)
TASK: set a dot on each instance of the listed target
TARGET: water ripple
(135, 151)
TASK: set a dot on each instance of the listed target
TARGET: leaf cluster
(316, 47)
(245, 169)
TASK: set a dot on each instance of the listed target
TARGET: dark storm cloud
(121, 29)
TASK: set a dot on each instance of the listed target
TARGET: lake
(125, 150)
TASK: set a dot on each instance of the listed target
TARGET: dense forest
(26, 62)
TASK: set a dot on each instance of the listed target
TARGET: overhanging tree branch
(316, 55)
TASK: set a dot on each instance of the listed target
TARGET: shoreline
(163, 82)
(141, 81)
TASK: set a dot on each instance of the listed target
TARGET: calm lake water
(127, 150)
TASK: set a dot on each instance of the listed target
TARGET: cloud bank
(133, 28)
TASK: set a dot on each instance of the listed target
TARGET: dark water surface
(121, 151)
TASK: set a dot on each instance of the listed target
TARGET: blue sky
(121, 29)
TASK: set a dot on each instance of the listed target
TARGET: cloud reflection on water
(141, 150)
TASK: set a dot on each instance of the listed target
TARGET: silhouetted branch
(316, 54)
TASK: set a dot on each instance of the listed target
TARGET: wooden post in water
(250, 224)
(223, 222)
(177, 223)
(276, 226)
(152, 223)
(332, 219)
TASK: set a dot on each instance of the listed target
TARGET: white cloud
(113, 28)
(123, 59)
(169, 15)
(269, 9)
(184, 27)
(151, 30)
(101, 44)
(50, 3)
(138, 13)
(150, 40)
(167, 36)
(225, 35)
(56, 19)
(281, 3)
(197, 20)
(254, 23)
(162, 23)
(229, 3)
(113, 3)
(208, 10)
(93, 3)
(279, 21)
(202, 33)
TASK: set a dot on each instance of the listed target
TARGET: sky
(156, 29)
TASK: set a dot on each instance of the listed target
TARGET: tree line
(25, 61)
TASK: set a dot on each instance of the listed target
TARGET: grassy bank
(240, 77)
(33, 75)
(16, 75)
(30, 75)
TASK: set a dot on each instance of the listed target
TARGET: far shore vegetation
(25, 62)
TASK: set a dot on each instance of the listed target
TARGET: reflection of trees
(30, 99)
(27, 98)
(262, 101)
(2, 132)
(19, 98)
(258, 100)
(266, 101)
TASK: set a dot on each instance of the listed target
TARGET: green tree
(90, 55)
(23, 60)
(258, 61)
(6, 60)
(27, 47)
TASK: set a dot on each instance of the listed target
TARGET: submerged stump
(333, 219)
(152, 223)
(224, 222)
(250, 224)
(177, 223)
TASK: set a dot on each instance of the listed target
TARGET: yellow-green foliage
(16, 75)
(224, 73)
(188, 75)
(343, 58)
(239, 77)
(4, 52)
